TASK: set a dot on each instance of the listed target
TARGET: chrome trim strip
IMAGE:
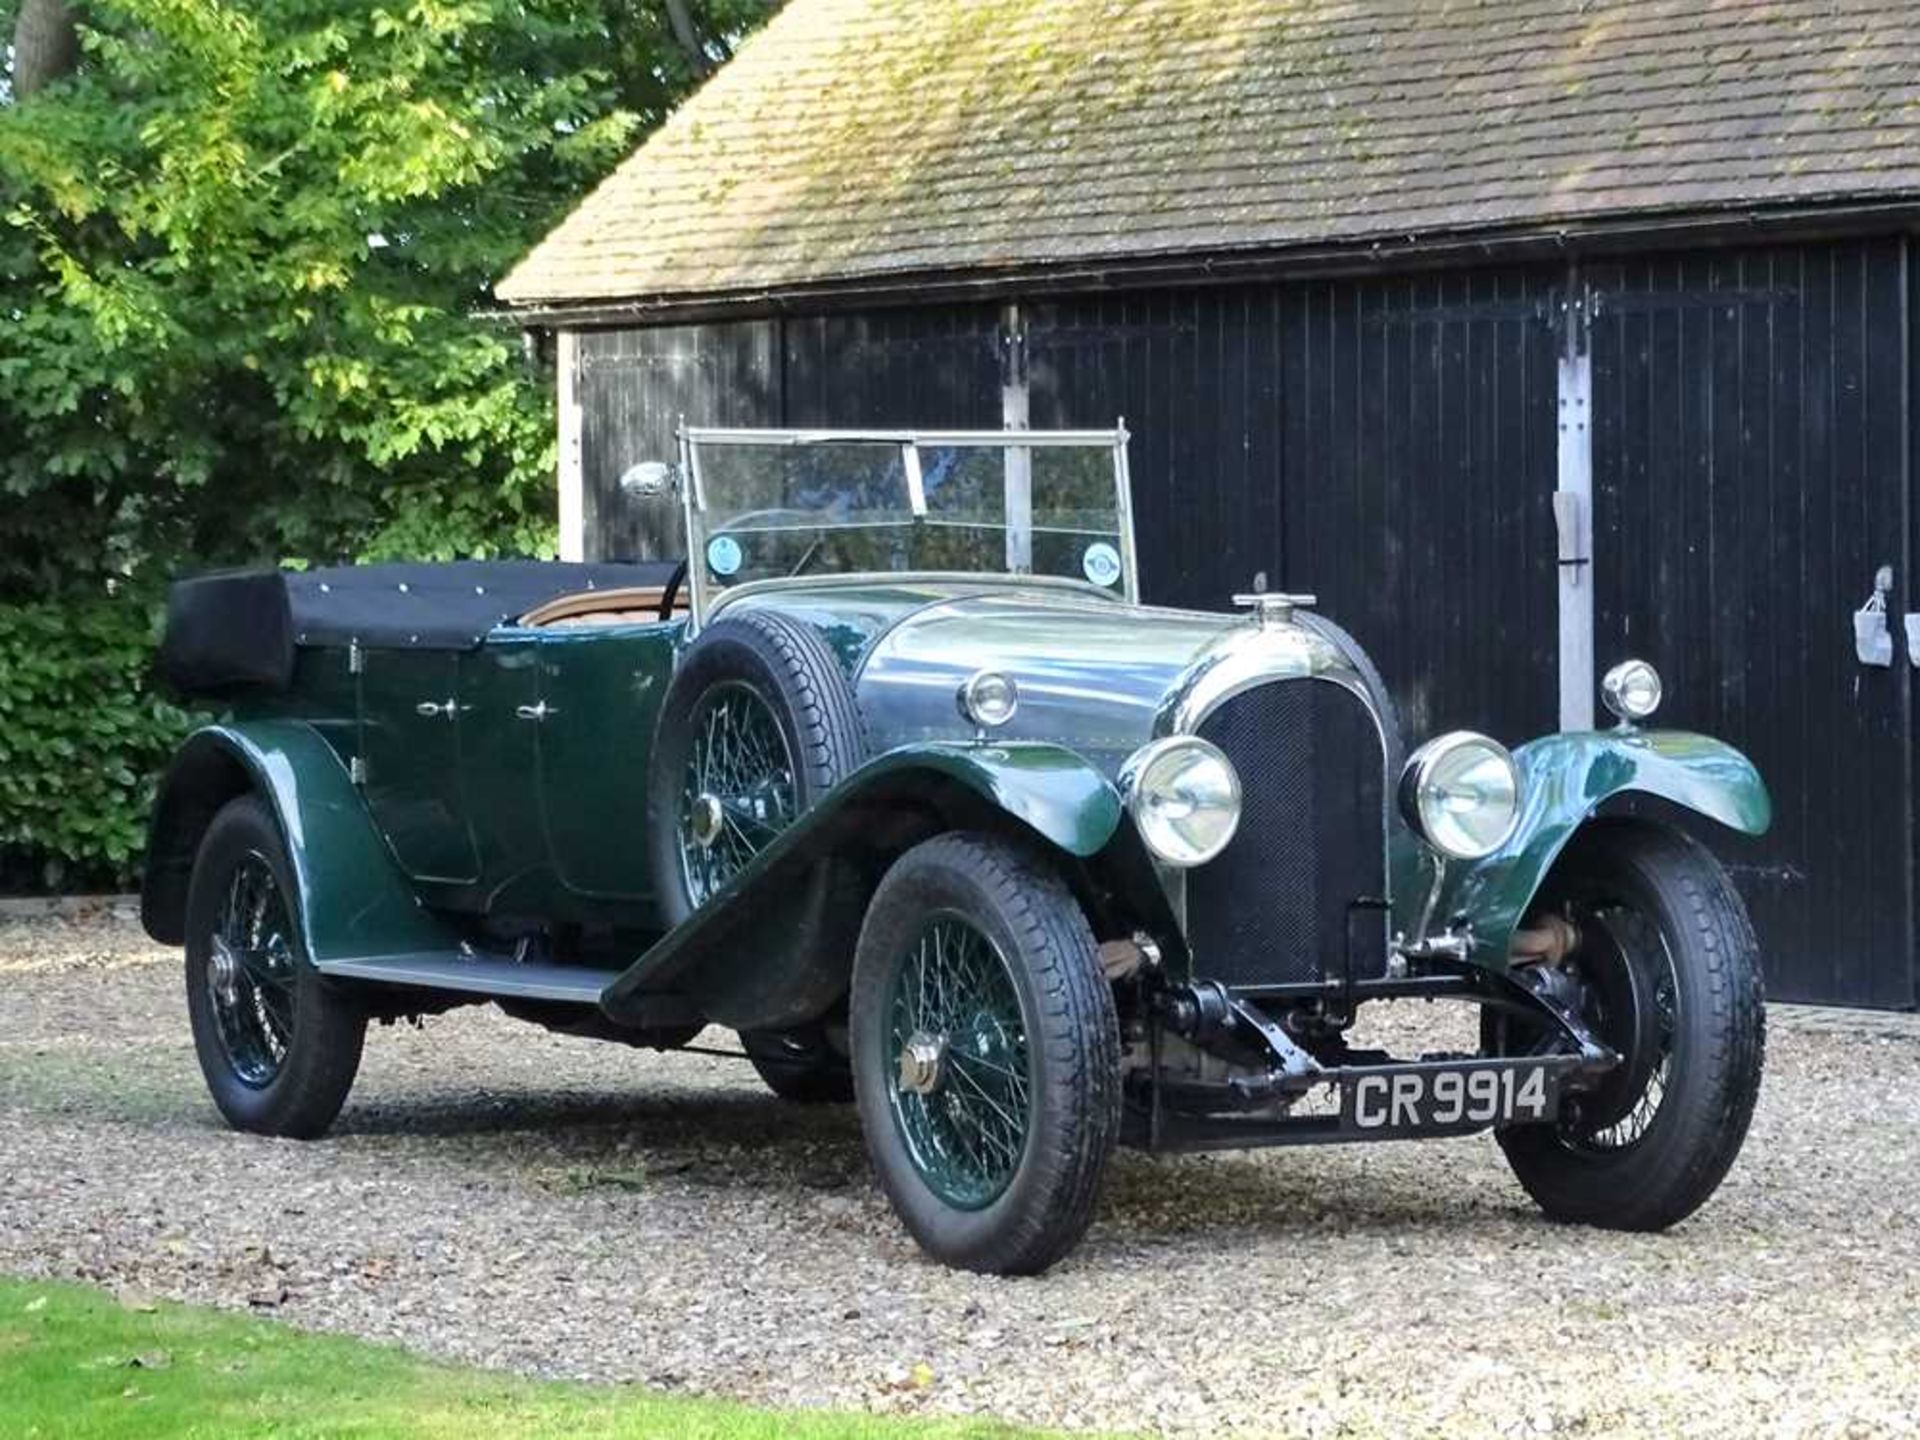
(997, 439)
(1242, 657)
(916, 485)
(1123, 478)
(693, 497)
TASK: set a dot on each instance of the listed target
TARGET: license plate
(1440, 1097)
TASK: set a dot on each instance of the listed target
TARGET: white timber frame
(1573, 507)
(1014, 415)
(573, 482)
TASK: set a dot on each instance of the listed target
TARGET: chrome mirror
(648, 480)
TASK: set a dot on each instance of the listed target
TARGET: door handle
(535, 712)
(434, 710)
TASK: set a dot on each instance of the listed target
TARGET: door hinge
(1570, 523)
(357, 770)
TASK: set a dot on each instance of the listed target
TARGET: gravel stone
(504, 1197)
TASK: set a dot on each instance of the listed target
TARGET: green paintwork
(605, 687)
(500, 771)
(966, 1134)
(354, 901)
(413, 763)
(1564, 780)
(1051, 791)
(848, 617)
(851, 613)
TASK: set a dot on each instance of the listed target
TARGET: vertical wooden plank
(1906, 994)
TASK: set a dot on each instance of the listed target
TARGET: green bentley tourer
(894, 775)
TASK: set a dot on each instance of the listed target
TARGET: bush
(83, 737)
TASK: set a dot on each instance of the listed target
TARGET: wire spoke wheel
(1620, 937)
(958, 1047)
(1666, 973)
(249, 974)
(738, 789)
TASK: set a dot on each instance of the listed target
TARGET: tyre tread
(1659, 1188)
(1079, 1033)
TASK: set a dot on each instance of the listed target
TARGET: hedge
(84, 734)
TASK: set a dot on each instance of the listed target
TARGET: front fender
(1564, 780)
(353, 900)
(1045, 791)
(1052, 791)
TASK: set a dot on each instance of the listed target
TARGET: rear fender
(353, 900)
(1565, 779)
(1046, 794)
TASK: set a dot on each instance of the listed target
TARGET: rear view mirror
(648, 480)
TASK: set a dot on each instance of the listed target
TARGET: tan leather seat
(626, 605)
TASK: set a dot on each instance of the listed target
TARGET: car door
(602, 688)
(499, 693)
(410, 743)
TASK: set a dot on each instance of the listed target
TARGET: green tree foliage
(80, 736)
(245, 256)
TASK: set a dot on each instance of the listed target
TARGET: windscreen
(775, 506)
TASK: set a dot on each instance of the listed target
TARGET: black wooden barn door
(935, 367)
(1387, 445)
(633, 388)
(1749, 480)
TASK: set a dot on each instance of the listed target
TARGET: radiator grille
(1278, 905)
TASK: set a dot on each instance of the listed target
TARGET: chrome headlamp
(1632, 690)
(988, 698)
(1184, 797)
(1461, 794)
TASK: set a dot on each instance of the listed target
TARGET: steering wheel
(670, 592)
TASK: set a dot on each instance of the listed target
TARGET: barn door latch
(1872, 641)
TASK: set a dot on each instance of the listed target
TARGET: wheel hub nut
(706, 820)
(923, 1063)
(225, 969)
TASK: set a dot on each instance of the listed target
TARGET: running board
(476, 974)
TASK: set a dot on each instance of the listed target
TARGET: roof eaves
(1720, 224)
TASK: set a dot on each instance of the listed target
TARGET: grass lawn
(76, 1363)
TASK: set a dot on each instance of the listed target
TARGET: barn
(1528, 335)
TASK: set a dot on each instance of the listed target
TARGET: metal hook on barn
(1872, 640)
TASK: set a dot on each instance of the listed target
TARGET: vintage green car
(896, 777)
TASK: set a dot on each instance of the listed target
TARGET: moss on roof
(859, 139)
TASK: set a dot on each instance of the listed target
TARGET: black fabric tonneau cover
(239, 629)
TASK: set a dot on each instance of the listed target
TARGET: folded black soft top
(239, 629)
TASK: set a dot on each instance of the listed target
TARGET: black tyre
(1668, 973)
(802, 1065)
(985, 1054)
(758, 724)
(278, 1043)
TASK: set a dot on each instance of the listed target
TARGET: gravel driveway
(498, 1195)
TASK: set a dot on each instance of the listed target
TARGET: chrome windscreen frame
(701, 595)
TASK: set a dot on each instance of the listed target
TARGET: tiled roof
(858, 139)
